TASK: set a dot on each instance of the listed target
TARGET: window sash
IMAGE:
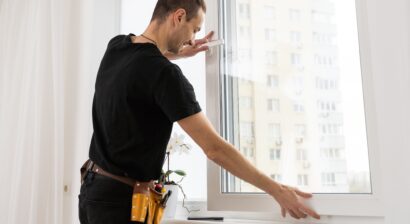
(325, 204)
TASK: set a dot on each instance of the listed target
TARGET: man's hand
(190, 50)
(287, 197)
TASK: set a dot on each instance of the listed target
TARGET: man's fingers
(293, 214)
(299, 213)
(283, 212)
(206, 39)
(202, 48)
(209, 35)
(303, 194)
(310, 212)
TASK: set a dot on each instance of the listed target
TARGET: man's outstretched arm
(224, 154)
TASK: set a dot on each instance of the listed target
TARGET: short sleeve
(175, 95)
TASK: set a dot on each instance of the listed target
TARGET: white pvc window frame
(369, 205)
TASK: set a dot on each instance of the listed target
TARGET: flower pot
(171, 206)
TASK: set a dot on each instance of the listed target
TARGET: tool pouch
(146, 204)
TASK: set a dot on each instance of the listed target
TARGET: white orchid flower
(177, 144)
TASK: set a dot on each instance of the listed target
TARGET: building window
(330, 129)
(302, 179)
(301, 155)
(295, 59)
(276, 177)
(247, 129)
(295, 38)
(300, 130)
(271, 58)
(294, 15)
(244, 11)
(298, 107)
(273, 81)
(274, 130)
(269, 12)
(270, 34)
(275, 154)
(273, 105)
(331, 153)
(328, 179)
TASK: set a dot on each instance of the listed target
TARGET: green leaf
(180, 172)
(168, 172)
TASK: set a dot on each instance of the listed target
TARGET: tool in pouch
(146, 199)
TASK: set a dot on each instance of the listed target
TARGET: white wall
(389, 27)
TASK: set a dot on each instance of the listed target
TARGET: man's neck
(157, 33)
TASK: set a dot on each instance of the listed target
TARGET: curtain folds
(39, 65)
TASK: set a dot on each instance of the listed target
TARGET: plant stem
(168, 166)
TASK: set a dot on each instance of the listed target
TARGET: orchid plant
(176, 144)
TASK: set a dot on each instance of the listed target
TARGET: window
(273, 105)
(273, 81)
(269, 12)
(270, 34)
(296, 38)
(301, 155)
(329, 179)
(276, 177)
(300, 130)
(271, 58)
(247, 129)
(298, 85)
(294, 15)
(302, 180)
(295, 59)
(323, 38)
(274, 131)
(307, 123)
(247, 151)
(244, 11)
(332, 153)
(298, 107)
(326, 84)
(274, 154)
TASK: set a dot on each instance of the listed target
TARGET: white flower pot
(171, 206)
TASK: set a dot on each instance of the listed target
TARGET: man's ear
(179, 15)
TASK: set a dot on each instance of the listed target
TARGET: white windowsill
(231, 217)
(226, 221)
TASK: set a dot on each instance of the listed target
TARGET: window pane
(293, 81)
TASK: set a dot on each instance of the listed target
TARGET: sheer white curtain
(43, 101)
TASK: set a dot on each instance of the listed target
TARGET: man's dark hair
(165, 7)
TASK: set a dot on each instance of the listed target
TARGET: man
(139, 93)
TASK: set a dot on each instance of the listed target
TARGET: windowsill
(226, 221)
(231, 217)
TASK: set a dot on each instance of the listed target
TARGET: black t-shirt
(139, 93)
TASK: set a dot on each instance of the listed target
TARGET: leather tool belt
(145, 198)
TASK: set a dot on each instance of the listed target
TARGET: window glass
(293, 75)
